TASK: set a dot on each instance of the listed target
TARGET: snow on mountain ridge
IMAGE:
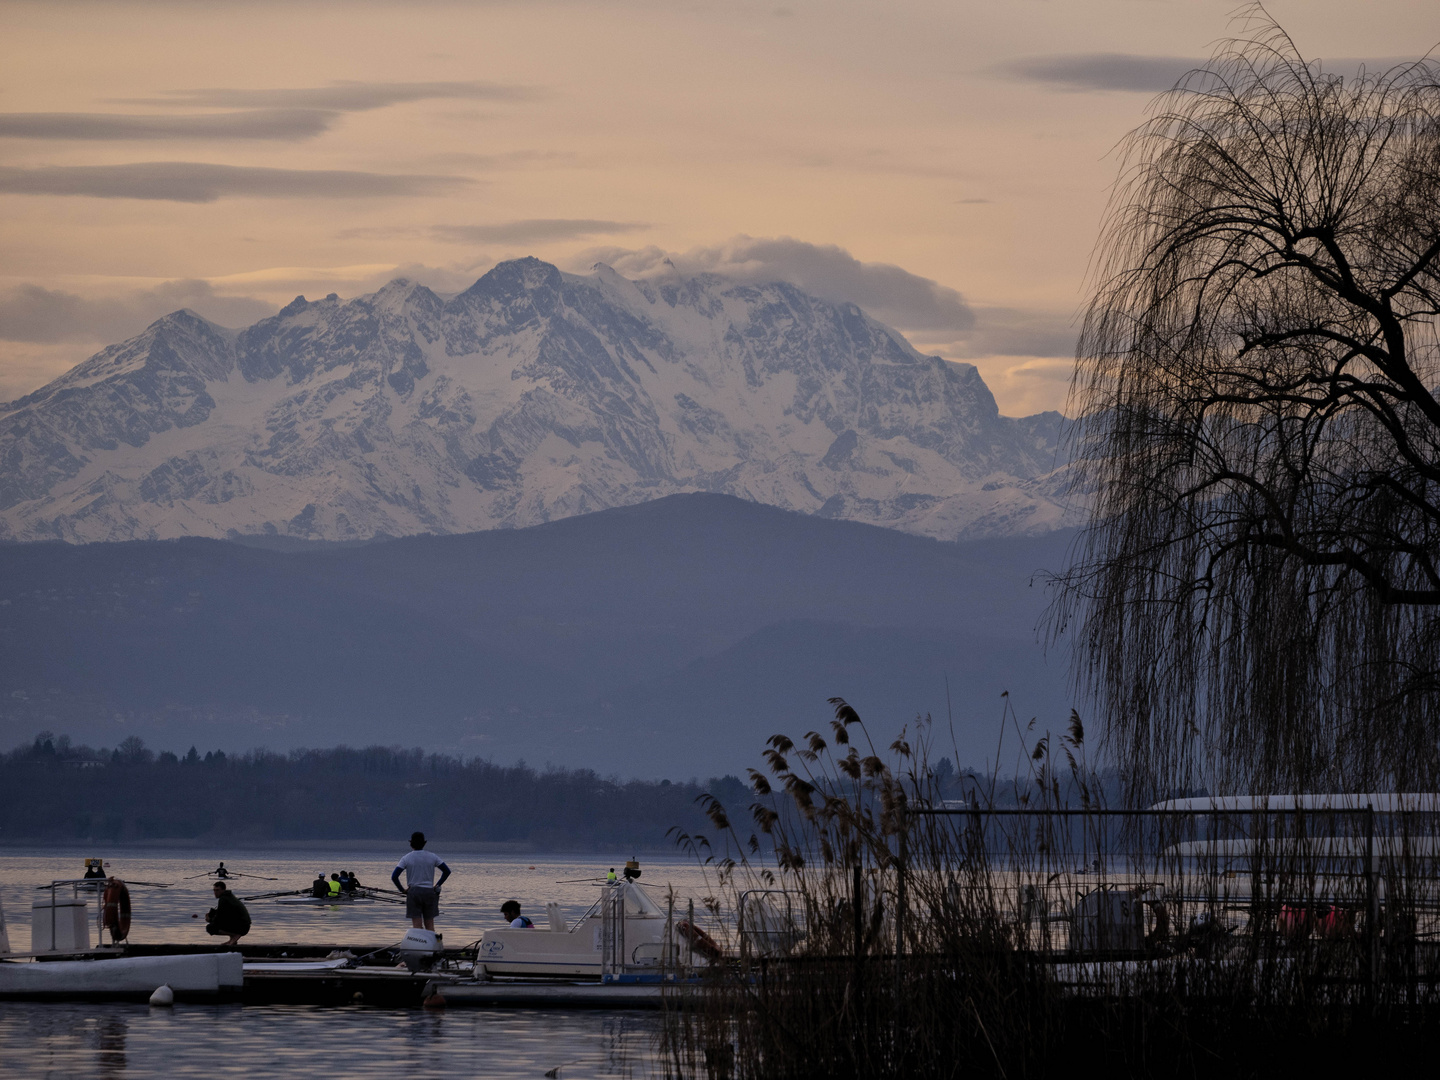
(531, 395)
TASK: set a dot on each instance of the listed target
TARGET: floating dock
(295, 974)
(281, 973)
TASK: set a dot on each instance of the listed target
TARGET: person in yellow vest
(334, 886)
(610, 878)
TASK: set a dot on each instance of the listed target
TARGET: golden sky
(942, 163)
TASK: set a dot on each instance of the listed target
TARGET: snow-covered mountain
(532, 395)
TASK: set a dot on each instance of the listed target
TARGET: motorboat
(628, 928)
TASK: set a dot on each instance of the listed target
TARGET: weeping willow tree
(1256, 596)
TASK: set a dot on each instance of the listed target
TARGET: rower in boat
(94, 868)
(320, 888)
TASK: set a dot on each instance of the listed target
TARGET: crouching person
(228, 918)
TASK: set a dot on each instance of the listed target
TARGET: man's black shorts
(422, 902)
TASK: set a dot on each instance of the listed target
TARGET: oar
(272, 895)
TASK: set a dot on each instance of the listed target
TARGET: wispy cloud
(1146, 74)
(1009, 331)
(933, 316)
(525, 231)
(250, 124)
(1104, 71)
(894, 296)
(514, 159)
(341, 96)
(199, 182)
(534, 230)
(31, 313)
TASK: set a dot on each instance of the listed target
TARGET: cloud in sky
(274, 113)
(534, 230)
(1104, 71)
(250, 124)
(31, 313)
(199, 182)
(933, 316)
(892, 295)
(1009, 331)
(1145, 74)
(350, 96)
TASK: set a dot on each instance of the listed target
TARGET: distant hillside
(531, 396)
(667, 639)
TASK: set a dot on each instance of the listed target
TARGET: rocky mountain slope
(531, 396)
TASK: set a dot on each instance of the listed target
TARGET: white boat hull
(508, 951)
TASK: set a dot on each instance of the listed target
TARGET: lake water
(90, 1040)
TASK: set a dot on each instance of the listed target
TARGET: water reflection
(86, 1040)
(110, 1049)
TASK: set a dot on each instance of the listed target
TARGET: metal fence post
(900, 931)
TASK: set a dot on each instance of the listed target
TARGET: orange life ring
(116, 913)
(699, 940)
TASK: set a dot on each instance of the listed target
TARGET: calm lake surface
(90, 1040)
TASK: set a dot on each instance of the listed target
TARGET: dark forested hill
(134, 795)
(661, 640)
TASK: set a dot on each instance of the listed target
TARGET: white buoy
(163, 995)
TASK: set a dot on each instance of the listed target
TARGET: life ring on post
(699, 940)
(115, 915)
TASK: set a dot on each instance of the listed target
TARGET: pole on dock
(1372, 904)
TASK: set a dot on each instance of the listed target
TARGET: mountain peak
(533, 395)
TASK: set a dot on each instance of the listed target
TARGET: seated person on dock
(228, 916)
(511, 910)
(320, 887)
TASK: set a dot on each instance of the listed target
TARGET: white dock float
(190, 975)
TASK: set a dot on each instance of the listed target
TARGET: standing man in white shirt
(422, 891)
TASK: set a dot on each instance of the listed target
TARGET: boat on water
(343, 900)
(306, 898)
(629, 927)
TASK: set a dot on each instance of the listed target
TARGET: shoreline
(459, 847)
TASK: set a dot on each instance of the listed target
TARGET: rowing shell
(336, 901)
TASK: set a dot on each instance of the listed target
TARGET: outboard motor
(419, 949)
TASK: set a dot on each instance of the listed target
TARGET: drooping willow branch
(1255, 597)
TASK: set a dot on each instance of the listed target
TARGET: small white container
(59, 924)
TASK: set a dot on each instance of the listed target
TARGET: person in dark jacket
(228, 917)
(320, 887)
